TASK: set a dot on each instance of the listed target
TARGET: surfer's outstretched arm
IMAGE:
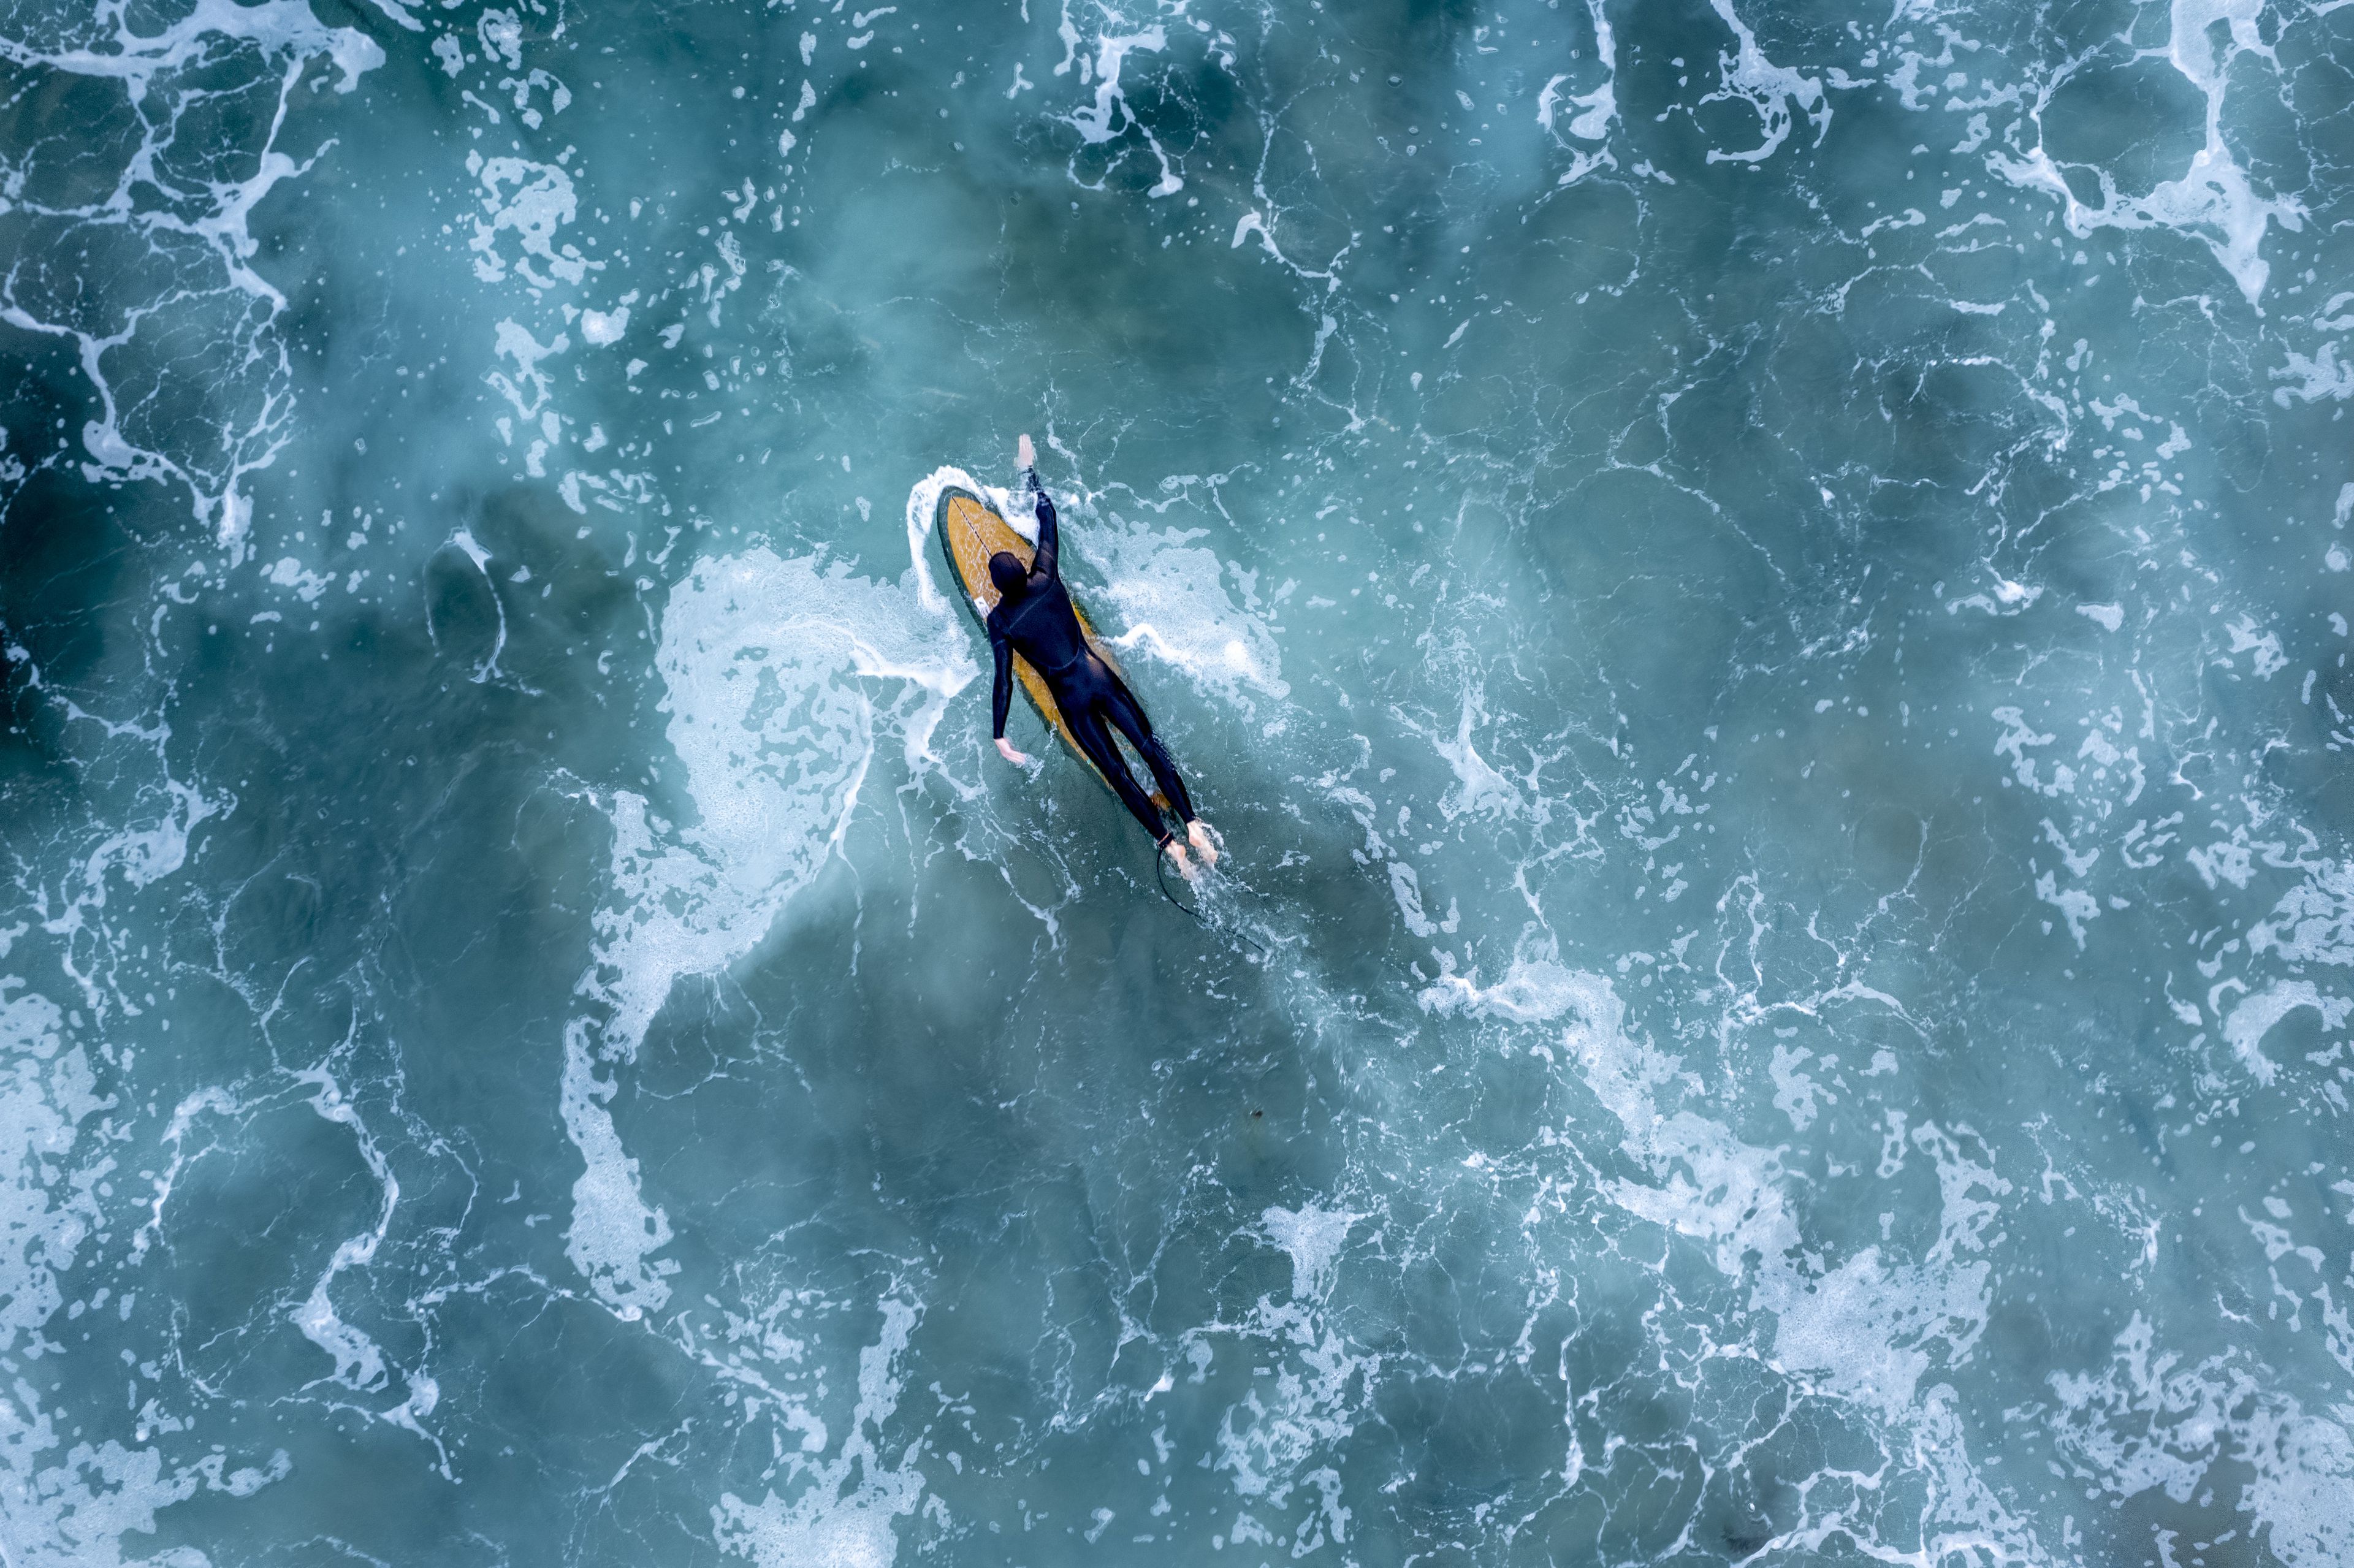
(1000, 689)
(1043, 566)
(1000, 692)
(1001, 695)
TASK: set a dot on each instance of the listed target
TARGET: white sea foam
(1172, 595)
(2319, 374)
(1870, 1330)
(462, 540)
(1597, 108)
(1876, 1328)
(74, 1514)
(78, 1510)
(151, 844)
(830, 1522)
(2004, 598)
(2313, 921)
(2108, 616)
(1774, 92)
(2213, 200)
(1313, 1236)
(360, 1364)
(1109, 115)
(923, 510)
(527, 389)
(2147, 1421)
(773, 667)
(1405, 888)
(1320, 1391)
(1311, 1404)
(201, 237)
(290, 572)
(2075, 905)
(2264, 645)
(1480, 790)
(47, 1090)
(598, 328)
(2256, 1015)
(1536, 989)
(533, 202)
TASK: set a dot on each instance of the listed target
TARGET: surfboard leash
(1161, 875)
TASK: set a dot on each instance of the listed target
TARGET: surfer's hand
(1005, 749)
(1024, 454)
(1197, 833)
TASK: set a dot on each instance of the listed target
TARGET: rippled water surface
(1758, 592)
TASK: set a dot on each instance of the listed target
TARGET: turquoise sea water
(1759, 593)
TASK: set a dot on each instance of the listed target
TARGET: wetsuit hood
(1012, 578)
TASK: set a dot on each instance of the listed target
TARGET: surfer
(1034, 617)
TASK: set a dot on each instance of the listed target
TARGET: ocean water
(1759, 593)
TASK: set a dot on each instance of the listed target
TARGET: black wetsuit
(1042, 627)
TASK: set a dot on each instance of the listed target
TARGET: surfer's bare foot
(1177, 853)
(1005, 749)
(1024, 454)
(1197, 833)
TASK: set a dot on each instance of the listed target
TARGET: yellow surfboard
(970, 531)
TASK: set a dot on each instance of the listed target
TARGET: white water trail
(773, 668)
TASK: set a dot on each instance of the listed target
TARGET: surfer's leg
(1122, 708)
(1083, 713)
